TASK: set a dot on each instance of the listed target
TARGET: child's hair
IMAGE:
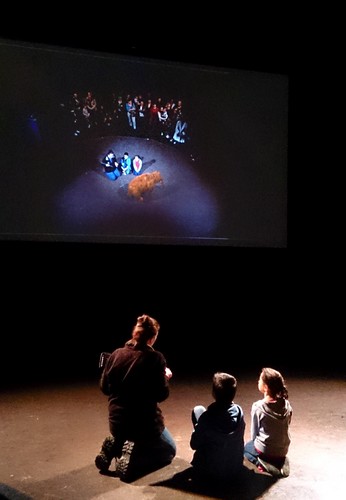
(145, 329)
(224, 387)
(275, 382)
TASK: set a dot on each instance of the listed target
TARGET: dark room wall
(219, 308)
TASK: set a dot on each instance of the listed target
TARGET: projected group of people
(135, 377)
(163, 119)
(125, 166)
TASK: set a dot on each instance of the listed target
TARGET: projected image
(104, 148)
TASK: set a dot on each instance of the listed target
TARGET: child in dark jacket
(218, 435)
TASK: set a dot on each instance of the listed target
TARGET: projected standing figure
(180, 132)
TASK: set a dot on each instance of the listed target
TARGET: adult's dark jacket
(134, 381)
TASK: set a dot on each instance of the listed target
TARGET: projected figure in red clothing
(137, 165)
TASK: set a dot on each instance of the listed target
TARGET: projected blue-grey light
(181, 206)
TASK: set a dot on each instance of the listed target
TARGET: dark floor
(51, 434)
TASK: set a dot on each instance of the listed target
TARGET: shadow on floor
(248, 486)
(8, 493)
(75, 484)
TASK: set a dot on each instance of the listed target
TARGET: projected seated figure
(111, 166)
(126, 164)
(137, 165)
